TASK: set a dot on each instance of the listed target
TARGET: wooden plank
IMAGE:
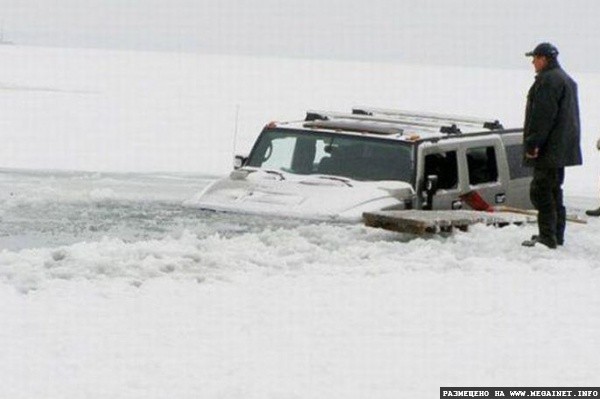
(431, 222)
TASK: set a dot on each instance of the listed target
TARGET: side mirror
(431, 183)
(239, 161)
(431, 187)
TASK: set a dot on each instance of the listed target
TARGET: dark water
(49, 209)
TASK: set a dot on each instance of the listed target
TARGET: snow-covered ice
(112, 287)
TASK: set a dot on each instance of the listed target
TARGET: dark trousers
(547, 197)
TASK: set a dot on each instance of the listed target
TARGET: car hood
(316, 197)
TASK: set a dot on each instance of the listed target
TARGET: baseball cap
(544, 49)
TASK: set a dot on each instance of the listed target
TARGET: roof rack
(429, 117)
(358, 126)
(432, 126)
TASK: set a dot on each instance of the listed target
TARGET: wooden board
(432, 222)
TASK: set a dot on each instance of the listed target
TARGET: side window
(482, 165)
(443, 165)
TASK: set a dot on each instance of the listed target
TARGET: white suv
(339, 165)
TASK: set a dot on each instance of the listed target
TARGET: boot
(559, 241)
(593, 212)
(542, 240)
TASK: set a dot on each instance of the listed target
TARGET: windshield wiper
(336, 178)
(274, 172)
(252, 169)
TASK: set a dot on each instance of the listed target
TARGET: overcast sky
(458, 32)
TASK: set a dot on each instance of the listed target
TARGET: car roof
(395, 124)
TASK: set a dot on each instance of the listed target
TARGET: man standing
(551, 141)
(594, 212)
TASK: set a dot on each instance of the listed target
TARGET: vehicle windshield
(354, 157)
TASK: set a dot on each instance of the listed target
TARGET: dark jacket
(552, 119)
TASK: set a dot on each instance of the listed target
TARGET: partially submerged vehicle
(336, 166)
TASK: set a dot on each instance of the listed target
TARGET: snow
(110, 287)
